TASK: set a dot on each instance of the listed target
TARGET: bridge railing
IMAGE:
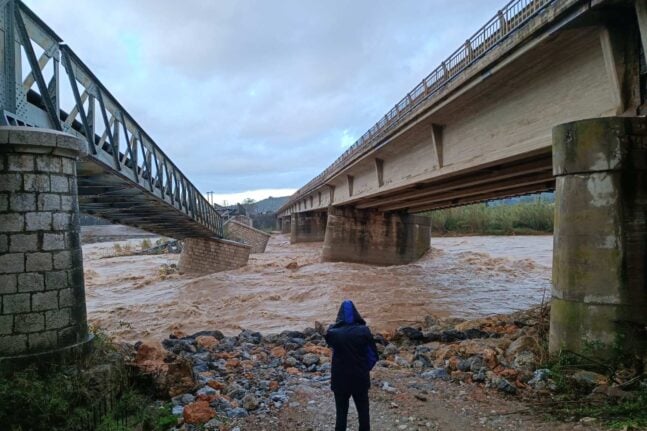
(32, 93)
(513, 15)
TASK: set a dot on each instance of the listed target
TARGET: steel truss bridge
(123, 175)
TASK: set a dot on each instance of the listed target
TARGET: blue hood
(348, 315)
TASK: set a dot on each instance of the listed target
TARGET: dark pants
(361, 403)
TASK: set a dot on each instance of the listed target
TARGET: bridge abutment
(208, 255)
(42, 289)
(367, 236)
(600, 243)
(308, 226)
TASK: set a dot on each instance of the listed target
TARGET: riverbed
(132, 298)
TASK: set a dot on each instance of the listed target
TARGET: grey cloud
(254, 94)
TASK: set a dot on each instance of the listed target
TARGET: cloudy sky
(253, 98)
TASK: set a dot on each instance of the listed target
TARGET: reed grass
(481, 219)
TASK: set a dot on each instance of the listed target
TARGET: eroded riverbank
(460, 277)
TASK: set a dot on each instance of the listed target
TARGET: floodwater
(460, 277)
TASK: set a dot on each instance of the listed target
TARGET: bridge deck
(106, 194)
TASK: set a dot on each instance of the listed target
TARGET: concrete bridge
(67, 144)
(520, 108)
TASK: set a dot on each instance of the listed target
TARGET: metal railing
(507, 20)
(31, 93)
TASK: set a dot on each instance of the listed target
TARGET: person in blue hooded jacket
(354, 355)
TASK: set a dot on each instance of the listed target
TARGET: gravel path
(412, 404)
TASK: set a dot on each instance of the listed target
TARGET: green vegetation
(572, 399)
(145, 244)
(480, 219)
(100, 393)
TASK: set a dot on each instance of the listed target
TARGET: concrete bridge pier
(367, 236)
(285, 225)
(42, 293)
(599, 304)
(308, 226)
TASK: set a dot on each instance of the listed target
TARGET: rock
(521, 344)
(454, 362)
(213, 425)
(539, 376)
(292, 265)
(205, 390)
(479, 376)
(436, 373)
(206, 342)
(317, 350)
(310, 359)
(248, 336)
(293, 371)
(216, 385)
(187, 399)
(390, 349)
(149, 355)
(235, 391)
(490, 358)
(401, 361)
(278, 352)
(290, 361)
(475, 333)
(525, 360)
(177, 334)
(452, 335)
(177, 410)
(216, 334)
(250, 402)
(408, 332)
(387, 387)
(198, 412)
(475, 363)
(237, 412)
(505, 386)
(424, 359)
(589, 378)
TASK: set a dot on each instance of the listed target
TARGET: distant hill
(269, 205)
(265, 206)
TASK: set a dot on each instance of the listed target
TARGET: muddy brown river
(463, 277)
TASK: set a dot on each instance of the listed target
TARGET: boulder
(206, 342)
(198, 413)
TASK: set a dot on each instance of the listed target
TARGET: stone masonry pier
(42, 290)
(240, 232)
(208, 255)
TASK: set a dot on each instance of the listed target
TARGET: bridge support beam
(209, 255)
(600, 243)
(366, 236)
(308, 227)
(42, 290)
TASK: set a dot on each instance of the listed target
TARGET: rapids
(467, 277)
